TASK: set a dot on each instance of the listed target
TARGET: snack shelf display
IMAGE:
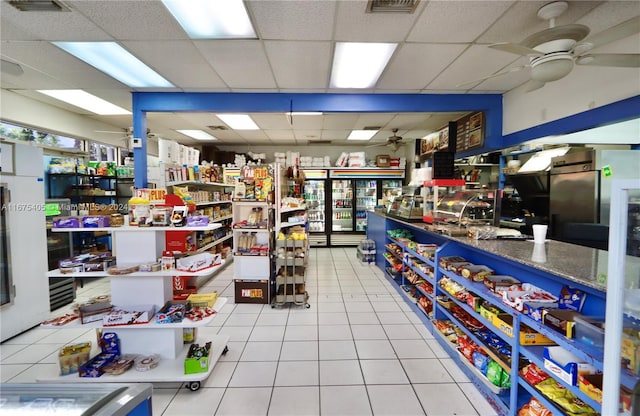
(145, 245)
(495, 294)
(254, 222)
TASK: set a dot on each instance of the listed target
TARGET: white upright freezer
(23, 244)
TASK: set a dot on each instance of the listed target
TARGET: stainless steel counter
(583, 265)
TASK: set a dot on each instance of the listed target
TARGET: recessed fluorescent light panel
(238, 121)
(361, 134)
(212, 19)
(197, 134)
(114, 60)
(87, 101)
(359, 65)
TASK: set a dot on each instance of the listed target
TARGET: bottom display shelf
(167, 371)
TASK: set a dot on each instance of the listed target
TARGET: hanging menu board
(470, 132)
(435, 141)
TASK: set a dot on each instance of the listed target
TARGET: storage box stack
(318, 161)
(306, 161)
(293, 159)
(357, 160)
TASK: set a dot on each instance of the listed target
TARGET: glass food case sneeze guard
(470, 207)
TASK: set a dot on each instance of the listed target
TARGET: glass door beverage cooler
(342, 205)
(366, 200)
(314, 196)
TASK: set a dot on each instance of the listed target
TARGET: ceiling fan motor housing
(551, 67)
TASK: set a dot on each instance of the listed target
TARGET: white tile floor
(359, 350)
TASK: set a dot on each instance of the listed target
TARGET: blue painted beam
(626, 109)
(144, 102)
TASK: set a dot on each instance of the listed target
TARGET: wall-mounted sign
(435, 141)
(470, 134)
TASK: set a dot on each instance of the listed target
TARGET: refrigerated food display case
(76, 400)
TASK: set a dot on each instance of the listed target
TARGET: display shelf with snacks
(254, 213)
(153, 290)
(512, 298)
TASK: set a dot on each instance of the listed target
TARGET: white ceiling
(441, 45)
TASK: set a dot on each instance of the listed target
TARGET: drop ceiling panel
(345, 121)
(300, 64)
(415, 65)
(125, 20)
(373, 119)
(456, 21)
(11, 31)
(475, 62)
(196, 119)
(31, 79)
(306, 122)
(271, 121)
(521, 20)
(293, 20)
(241, 63)
(58, 64)
(53, 25)
(120, 97)
(353, 24)
(281, 136)
(336, 136)
(302, 135)
(609, 14)
(186, 68)
(408, 121)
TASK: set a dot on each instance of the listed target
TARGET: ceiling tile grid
(441, 45)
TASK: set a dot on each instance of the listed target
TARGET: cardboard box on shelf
(565, 365)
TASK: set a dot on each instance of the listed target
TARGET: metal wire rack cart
(291, 267)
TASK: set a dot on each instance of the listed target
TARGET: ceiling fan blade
(533, 85)
(377, 144)
(515, 48)
(566, 32)
(625, 60)
(497, 74)
(619, 31)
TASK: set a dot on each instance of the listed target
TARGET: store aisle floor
(359, 350)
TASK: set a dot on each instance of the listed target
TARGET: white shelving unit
(252, 265)
(136, 245)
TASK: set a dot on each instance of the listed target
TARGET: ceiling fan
(394, 142)
(553, 52)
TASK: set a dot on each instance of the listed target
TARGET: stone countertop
(584, 265)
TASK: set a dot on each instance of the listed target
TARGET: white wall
(585, 88)
(25, 111)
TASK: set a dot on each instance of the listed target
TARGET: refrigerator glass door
(341, 205)
(314, 200)
(6, 281)
(366, 200)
